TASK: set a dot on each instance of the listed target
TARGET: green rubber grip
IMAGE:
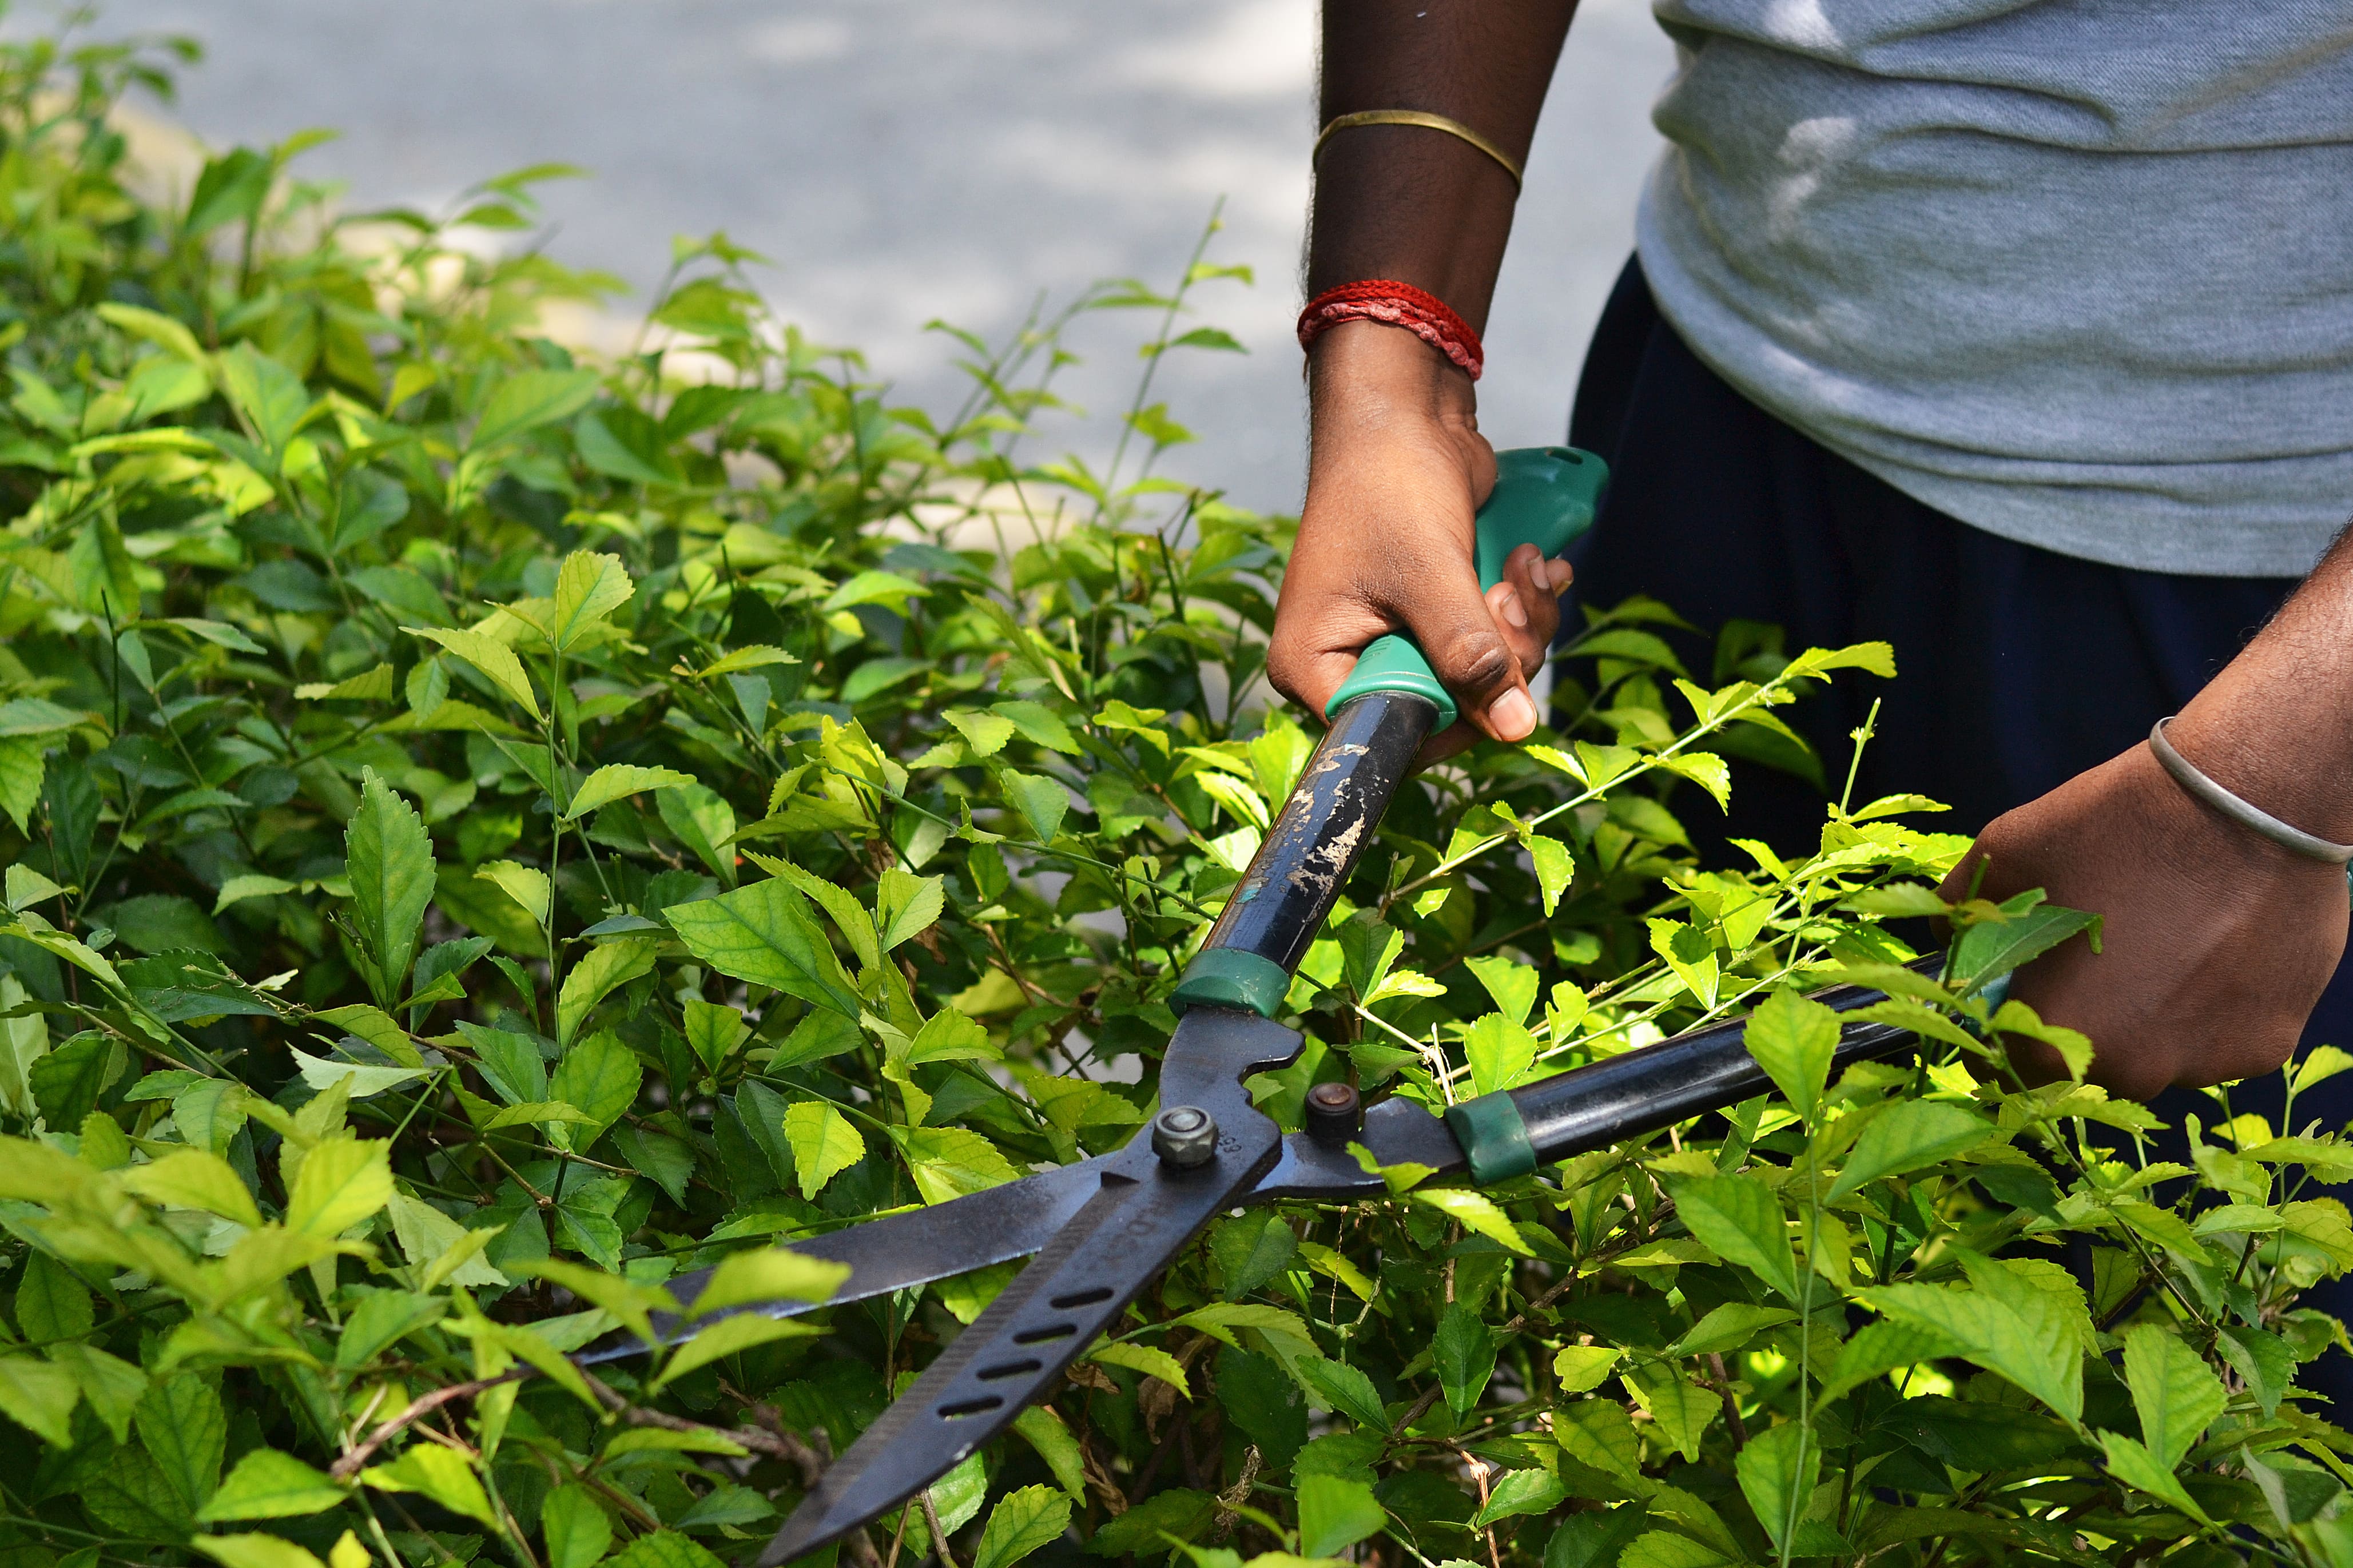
(1544, 496)
(1493, 1138)
(1230, 977)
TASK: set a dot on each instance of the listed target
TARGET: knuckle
(1481, 663)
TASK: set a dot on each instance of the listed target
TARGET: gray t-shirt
(2077, 272)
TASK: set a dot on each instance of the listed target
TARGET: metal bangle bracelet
(2295, 840)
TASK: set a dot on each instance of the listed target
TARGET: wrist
(1369, 374)
(2271, 755)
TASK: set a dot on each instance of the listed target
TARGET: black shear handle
(1325, 825)
(1511, 1133)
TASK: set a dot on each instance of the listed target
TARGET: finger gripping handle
(1544, 496)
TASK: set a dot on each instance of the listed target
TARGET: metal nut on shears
(1185, 1136)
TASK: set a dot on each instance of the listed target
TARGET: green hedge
(489, 830)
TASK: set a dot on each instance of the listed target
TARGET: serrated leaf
(1794, 1040)
(1739, 1219)
(254, 1551)
(907, 905)
(727, 1337)
(1464, 1354)
(2176, 1392)
(532, 398)
(1022, 1522)
(494, 659)
(588, 588)
(1520, 1492)
(1474, 1211)
(1777, 1469)
(1335, 1513)
(1727, 1328)
(267, 1484)
(1501, 1053)
(1150, 1359)
(1906, 1136)
(343, 1182)
(601, 1077)
(389, 863)
(1581, 1369)
(575, 1527)
(183, 1429)
(766, 934)
(601, 970)
(2137, 1468)
(195, 1179)
(615, 780)
(951, 1161)
(438, 1473)
(824, 1142)
(39, 1396)
(769, 1274)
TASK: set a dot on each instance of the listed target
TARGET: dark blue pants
(2017, 667)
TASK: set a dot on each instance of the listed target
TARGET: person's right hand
(1398, 470)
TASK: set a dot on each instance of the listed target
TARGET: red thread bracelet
(1394, 304)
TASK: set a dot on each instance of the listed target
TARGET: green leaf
(195, 1179)
(907, 905)
(389, 862)
(267, 1484)
(183, 1427)
(39, 1396)
(824, 1143)
(2137, 1468)
(1474, 1211)
(112, 1385)
(2026, 1335)
(52, 1303)
(601, 1077)
(1044, 1431)
(726, 1338)
(1520, 1492)
(1580, 1369)
(1501, 1054)
(1342, 1389)
(256, 1552)
(383, 1318)
(1681, 1411)
(438, 1473)
(1794, 1040)
(1022, 1522)
(1881, 1347)
(1739, 1218)
(1556, 867)
(21, 769)
(1335, 1513)
(1149, 1360)
(1778, 1468)
(343, 1182)
(529, 399)
(271, 398)
(771, 1274)
(1251, 1248)
(1728, 1328)
(951, 1162)
(2261, 1357)
(601, 970)
(615, 780)
(575, 1527)
(1463, 1354)
(2177, 1394)
(703, 822)
(1042, 802)
(1990, 949)
(588, 588)
(766, 934)
(435, 1244)
(715, 1030)
(1906, 1136)
(662, 1549)
(494, 659)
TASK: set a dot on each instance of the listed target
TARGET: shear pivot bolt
(1185, 1136)
(1335, 1113)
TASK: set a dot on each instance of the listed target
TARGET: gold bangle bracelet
(1454, 128)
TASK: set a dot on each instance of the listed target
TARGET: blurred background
(903, 160)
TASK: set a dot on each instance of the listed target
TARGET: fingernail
(1513, 716)
(1510, 605)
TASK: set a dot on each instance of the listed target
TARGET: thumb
(1451, 620)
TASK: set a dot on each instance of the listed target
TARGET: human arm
(2217, 943)
(1397, 465)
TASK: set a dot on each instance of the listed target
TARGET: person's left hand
(2216, 943)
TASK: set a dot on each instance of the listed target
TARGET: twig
(1230, 1500)
(777, 1445)
(424, 1404)
(932, 1524)
(1731, 1404)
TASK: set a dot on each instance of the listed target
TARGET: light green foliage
(493, 831)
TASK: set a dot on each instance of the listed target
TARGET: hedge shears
(1102, 1229)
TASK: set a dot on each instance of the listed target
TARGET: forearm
(2276, 727)
(1419, 205)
